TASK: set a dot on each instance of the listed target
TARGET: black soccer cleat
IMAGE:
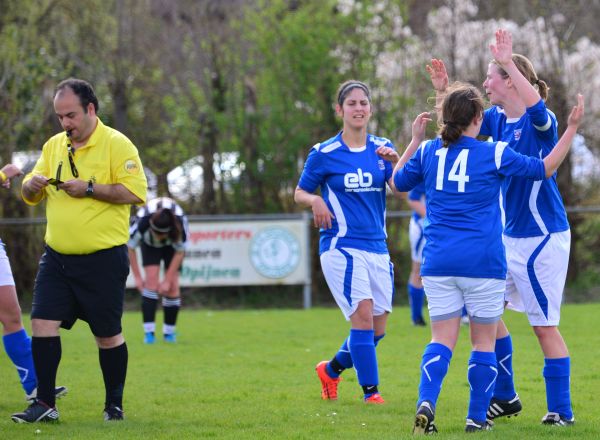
(474, 426)
(58, 393)
(113, 412)
(424, 420)
(504, 408)
(38, 411)
(556, 419)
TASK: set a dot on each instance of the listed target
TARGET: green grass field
(250, 374)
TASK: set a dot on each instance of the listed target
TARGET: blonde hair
(526, 68)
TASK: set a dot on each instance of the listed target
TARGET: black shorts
(152, 256)
(89, 287)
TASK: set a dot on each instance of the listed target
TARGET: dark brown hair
(82, 89)
(347, 86)
(163, 220)
(526, 68)
(463, 102)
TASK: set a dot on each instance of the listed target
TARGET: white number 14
(459, 164)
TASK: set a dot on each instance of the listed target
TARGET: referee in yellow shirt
(89, 175)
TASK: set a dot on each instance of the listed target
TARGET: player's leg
(334, 264)
(381, 273)
(550, 272)
(150, 302)
(445, 305)
(416, 294)
(346, 275)
(151, 258)
(505, 400)
(543, 275)
(484, 300)
(171, 301)
(17, 342)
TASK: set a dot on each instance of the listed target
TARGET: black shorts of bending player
(152, 256)
(88, 287)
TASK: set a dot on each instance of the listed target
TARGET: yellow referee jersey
(85, 225)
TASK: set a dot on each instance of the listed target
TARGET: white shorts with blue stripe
(417, 239)
(354, 275)
(6, 276)
(446, 296)
(537, 270)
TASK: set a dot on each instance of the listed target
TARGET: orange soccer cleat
(374, 399)
(329, 385)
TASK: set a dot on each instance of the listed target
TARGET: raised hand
(576, 116)
(419, 126)
(438, 74)
(387, 153)
(502, 51)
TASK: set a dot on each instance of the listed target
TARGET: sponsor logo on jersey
(132, 167)
(359, 182)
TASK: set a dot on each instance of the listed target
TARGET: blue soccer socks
(18, 348)
(557, 374)
(362, 350)
(482, 376)
(505, 384)
(434, 366)
(343, 359)
(415, 299)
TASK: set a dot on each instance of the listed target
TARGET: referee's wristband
(3, 176)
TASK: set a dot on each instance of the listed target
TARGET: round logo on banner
(274, 252)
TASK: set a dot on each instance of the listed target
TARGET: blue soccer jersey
(417, 194)
(532, 208)
(463, 229)
(353, 185)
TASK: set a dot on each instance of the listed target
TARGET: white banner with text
(253, 252)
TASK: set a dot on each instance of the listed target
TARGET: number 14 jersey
(463, 227)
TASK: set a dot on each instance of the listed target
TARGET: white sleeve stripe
(500, 146)
(544, 127)
(421, 148)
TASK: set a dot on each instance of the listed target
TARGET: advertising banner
(253, 252)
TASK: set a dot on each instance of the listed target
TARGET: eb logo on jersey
(358, 180)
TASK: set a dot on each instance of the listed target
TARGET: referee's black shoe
(38, 411)
(113, 413)
(504, 408)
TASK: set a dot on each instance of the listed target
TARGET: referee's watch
(89, 192)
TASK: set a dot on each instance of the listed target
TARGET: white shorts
(417, 239)
(537, 270)
(6, 277)
(354, 275)
(483, 298)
